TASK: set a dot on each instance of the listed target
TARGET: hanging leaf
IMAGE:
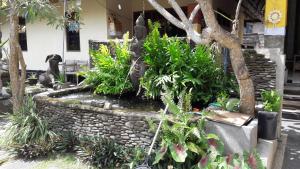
(160, 154)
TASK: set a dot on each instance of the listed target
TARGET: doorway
(292, 43)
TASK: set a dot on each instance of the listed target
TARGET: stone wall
(262, 71)
(125, 127)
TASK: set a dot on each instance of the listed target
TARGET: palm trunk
(16, 60)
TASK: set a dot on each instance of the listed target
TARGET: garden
(188, 82)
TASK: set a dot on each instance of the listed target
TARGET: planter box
(236, 139)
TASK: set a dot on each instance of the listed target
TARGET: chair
(72, 67)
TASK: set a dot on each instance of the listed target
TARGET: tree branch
(235, 24)
(179, 11)
(166, 14)
(194, 13)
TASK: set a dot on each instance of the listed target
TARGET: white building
(42, 40)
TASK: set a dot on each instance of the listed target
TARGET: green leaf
(178, 152)
(195, 148)
(212, 136)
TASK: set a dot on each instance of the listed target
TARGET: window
(72, 32)
(22, 33)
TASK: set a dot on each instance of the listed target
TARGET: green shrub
(271, 100)
(104, 153)
(65, 142)
(110, 75)
(28, 134)
(171, 62)
(184, 143)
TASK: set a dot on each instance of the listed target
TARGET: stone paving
(292, 152)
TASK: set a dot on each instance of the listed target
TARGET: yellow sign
(276, 16)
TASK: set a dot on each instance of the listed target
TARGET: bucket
(267, 125)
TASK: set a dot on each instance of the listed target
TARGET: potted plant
(32, 80)
(267, 119)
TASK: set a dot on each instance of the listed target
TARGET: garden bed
(126, 125)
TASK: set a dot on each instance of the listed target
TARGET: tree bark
(215, 32)
(16, 59)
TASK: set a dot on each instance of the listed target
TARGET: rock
(46, 80)
(107, 106)
(33, 90)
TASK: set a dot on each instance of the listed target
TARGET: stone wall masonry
(262, 71)
(127, 128)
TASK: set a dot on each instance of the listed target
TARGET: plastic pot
(267, 125)
(32, 81)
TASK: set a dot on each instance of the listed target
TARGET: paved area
(292, 152)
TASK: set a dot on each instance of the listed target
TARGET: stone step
(290, 104)
(291, 113)
(292, 90)
(291, 97)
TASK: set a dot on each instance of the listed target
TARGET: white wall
(43, 40)
(125, 15)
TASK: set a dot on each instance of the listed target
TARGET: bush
(184, 143)
(104, 153)
(28, 134)
(271, 100)
(110, 75)
(172, 63)
(65, 142)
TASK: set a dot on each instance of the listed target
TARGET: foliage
(103, 153)
(222, 99)
(28, 134)
(110, 75)
(271, 100)
(33, 76)
(171, 62)
(215, 160)
(183, 142)
(61, 79)
(66, 142)
(233, 105)
(34, 10)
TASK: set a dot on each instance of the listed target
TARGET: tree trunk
(16, 60)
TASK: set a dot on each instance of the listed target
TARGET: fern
(110, 75)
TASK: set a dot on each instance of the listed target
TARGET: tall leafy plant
(110, 75)
(173, 63)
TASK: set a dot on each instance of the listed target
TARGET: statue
(47, 79)
(54, 60)
(137, 61)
